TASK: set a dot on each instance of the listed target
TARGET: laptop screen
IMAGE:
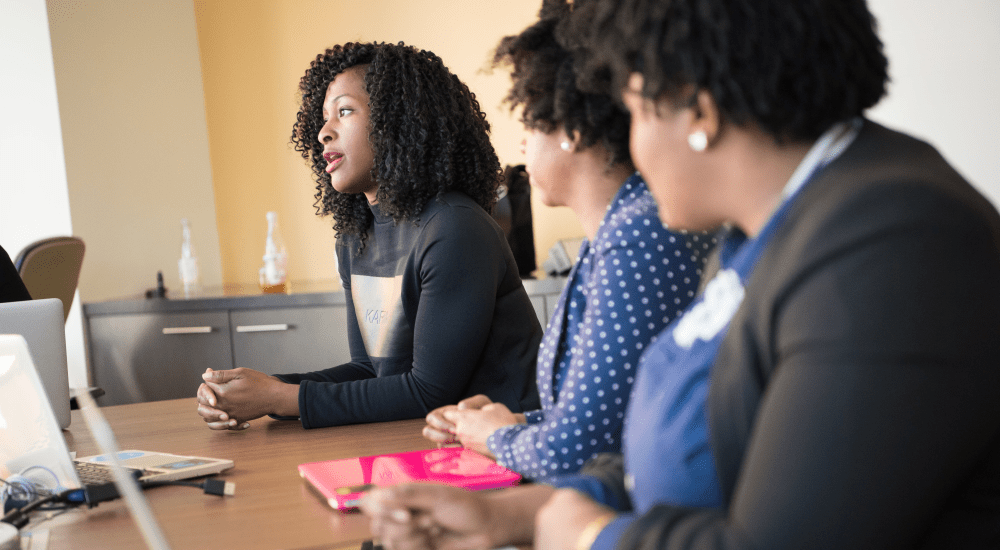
(31, 443)
(41, 323)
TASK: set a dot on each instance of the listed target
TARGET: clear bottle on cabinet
(187, 265)
(273, 277)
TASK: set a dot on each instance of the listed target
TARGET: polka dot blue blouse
(624, 288)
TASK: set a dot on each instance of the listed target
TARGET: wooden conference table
(272, 508)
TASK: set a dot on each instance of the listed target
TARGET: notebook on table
(342, 482)
(33, 444)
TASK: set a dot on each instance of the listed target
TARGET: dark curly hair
(544, 83)
(427, 132)
(789, 67)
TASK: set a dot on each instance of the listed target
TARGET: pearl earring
(565, 146)
(698, 141)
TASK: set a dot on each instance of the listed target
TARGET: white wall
(34, 200)
(944, 60)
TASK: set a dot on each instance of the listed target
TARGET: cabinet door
(156, 356)
(287, 340)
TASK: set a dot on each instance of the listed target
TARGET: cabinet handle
(186, 330)
(261, 328)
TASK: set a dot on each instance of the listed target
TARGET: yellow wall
(253, 53)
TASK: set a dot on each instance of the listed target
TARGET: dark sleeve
(459, 269)
(12, 288)
(883, 397)
(359, 368)
(602, 478)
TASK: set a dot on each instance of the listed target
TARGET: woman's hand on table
(472, 427)
(442, 431)
(421, 516)
(228, 399)
(216, 418)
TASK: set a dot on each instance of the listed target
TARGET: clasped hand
(426, 516)
(228, 399)
(429, 516)
(471, 422)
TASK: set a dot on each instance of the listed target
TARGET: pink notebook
(342, 482)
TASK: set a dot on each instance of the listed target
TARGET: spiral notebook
(343, 482)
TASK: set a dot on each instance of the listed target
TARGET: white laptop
(33, 445)
(42, 323)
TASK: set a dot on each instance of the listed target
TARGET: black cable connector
(209, 486)
(95, 494)
(219, 487)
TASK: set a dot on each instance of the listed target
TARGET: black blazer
(855, 401)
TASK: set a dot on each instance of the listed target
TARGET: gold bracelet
(592, 530)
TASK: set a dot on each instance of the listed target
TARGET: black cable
(209, 486)
(108, 491)
(92, 495)
(19, 516)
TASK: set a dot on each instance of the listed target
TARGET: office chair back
(50, 268)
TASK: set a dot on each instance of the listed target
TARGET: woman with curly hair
(844, 353)
(632, 277)
(436, 309)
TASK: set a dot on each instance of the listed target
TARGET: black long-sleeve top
(435, 312)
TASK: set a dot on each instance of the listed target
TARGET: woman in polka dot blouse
(632, 276)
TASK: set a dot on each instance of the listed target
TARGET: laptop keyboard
(91, 473)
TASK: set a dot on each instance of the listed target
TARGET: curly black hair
(789, 67)
(427, 132)
(544, 84)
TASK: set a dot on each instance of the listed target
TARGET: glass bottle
(187, 265)
(273, 278)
